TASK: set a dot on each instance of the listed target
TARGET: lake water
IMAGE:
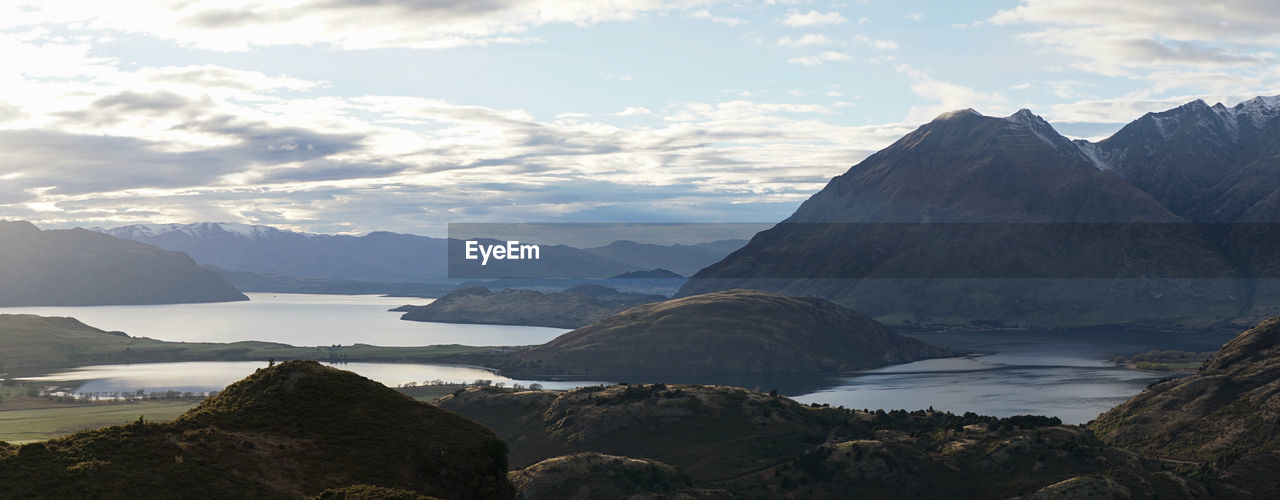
(1066, 374)
(295, 319)
(1059, 373)
(201, 377)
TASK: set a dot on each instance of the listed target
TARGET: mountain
(658, 273)
(730, 332)
(1225, 417)
(377, 256)
(574, 307)
(754, 445)
(78, 268)
(1193, 157)
(289, 431)
(264, 258)
(976, 220)
(681, 259)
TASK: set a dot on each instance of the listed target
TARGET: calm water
(215, 375)
(295, 319)
(1064, 374)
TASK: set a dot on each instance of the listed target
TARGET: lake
(199, 377)
(1059, 373)
(1066, 374)
(295, 319)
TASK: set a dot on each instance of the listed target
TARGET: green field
(38, 424)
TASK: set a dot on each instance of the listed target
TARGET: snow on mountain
(197, 230)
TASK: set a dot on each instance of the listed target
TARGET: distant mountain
(574, 307)
(274, 255)
(976, 220)
(290, 431)
(730, 332)
(658, 273)
(682, 259)
(1224, 418)
(77, 267)
(377, 256)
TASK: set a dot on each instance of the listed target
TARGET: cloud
(108, 142)
(813, 18)
(876, 44)
(946, 96)
(236, 25)
(707, 15)
(819, 59)
(1121, 38)
(807, 40)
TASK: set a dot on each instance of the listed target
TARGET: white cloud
(876, 43)
(234, 25)
(914, 16)
(708, 16)
(813, 18)
(819, 59)
(633, 111)
(807, 40)
(946, 96)
(206, 142)
(1121, 38)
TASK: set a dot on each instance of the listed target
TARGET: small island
(572, 308)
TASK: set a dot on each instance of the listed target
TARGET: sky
(349, 116)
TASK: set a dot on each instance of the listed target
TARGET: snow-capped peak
(1258, 110)
(199, 230)
(1042, 129)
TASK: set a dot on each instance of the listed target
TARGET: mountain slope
(754, 445)
(1225, 417)
(77, 267)
(990, 220)
(1175, 155)
(730, 332)
(290, 431)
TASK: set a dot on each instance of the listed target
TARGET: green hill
(729, 332)
(290, 431)
(755, 445)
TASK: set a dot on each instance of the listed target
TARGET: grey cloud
(129, 101)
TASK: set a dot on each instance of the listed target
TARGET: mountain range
(258, 257)
(75, 267)
(973, 219)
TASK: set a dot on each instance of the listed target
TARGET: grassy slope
(285, 432)
(757, 446)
